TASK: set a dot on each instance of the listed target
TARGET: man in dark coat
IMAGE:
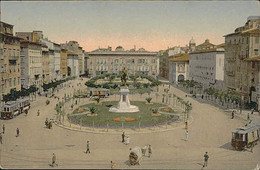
(123, 137)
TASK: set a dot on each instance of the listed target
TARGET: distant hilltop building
(104, 60)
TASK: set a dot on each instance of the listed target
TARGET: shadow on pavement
(128, 163)
(227, 146)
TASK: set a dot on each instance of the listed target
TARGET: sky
(153, 25)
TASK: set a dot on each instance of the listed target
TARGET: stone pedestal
(124, 103)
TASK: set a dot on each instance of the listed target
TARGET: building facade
(73, 64)
(45, 65)
(73, 46)
(56, 61)
(10, 60)
(179, 68)
(31, 64)
(240, 45)
(207, 65)
(103, 61)
(63, 64)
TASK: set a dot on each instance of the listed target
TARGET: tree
(92, 110)
(148, 99)
(97, 99)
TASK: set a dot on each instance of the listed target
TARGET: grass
(104, 116)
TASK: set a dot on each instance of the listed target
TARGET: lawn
(105, 117)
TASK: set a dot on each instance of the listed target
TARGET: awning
(16, 112)
(26, 108)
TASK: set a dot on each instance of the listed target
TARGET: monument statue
(124, 77)
(124, 103)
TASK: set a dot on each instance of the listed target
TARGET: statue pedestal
(124, 103)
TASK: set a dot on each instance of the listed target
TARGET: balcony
(13, 57)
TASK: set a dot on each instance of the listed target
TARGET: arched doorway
(180, 78)
(69, 71)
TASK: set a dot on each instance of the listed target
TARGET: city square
(114, 86)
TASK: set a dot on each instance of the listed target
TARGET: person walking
(206, 157)
(1, 138)
(53, 160)
(3, 128)
(127, 141)
(248, 116)
(186, 126)
(17, 132)
(149, 151)
(88, 150)
(187, 135)
(233, 114)
(38, 113)
(123, 137)
(112, 164)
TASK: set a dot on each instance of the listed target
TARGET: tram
(100, 92)
(245, 137)
(14, 108)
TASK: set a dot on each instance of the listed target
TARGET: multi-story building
(86, 70)
(207, 65)
(31, 64)
(10, 60)
(73, 46)
(103, 61)
(56, 61)
(45, 65)
(73, 64)
(240, 45)
(63, 63)
(254, 71)
(37, 36)
(170, 53)
(179, 68)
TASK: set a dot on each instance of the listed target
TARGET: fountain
(124, 103)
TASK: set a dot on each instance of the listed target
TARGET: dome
(119, 48)
(192, 41)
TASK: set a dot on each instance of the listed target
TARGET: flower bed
(127, 119)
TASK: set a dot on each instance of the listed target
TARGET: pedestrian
(38, 113)
(88, 150)
(46, 122)
(252, 111)
(76, 102)
(26, 112)
(1, 138)
(206, 157)
(53, 160)
(149, 151)
(3, 128)
(50, 125)
(186, 125)
(113, 164)
(187, 135)
(248, 116)
(127, 141)
(123, 137)
(233, 114)
(17, 132)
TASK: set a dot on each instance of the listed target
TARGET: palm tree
(97, 99)
(157, 95)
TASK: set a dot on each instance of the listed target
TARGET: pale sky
(153, 25)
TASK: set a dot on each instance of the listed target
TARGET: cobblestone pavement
(210, 131)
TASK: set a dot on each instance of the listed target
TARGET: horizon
(154, 25)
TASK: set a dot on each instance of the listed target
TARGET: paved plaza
(209, 130)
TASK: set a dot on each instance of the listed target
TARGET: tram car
(245, 137)
(99, 92)
(14, 108)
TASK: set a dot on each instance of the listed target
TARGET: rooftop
(180, 57)
(122, 53)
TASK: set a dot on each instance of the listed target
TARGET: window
(14, 81)
(4, 52)
(256, 51)
(256, 40)
(10, 82)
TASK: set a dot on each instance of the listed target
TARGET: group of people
(48, 124)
